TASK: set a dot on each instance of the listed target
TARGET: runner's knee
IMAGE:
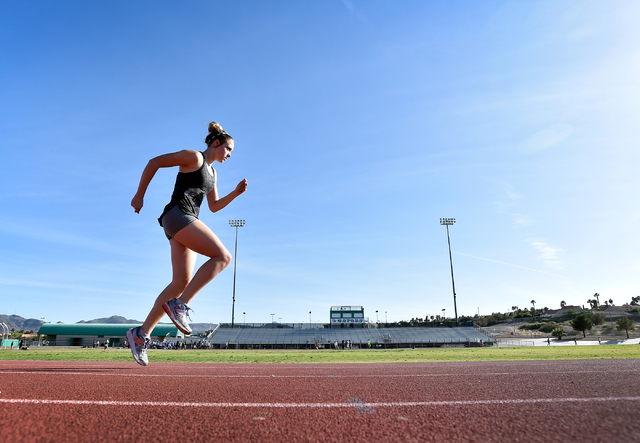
(180, 283)
(226, 258)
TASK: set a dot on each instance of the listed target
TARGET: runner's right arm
(186, 159)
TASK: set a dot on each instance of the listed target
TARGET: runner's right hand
(137, 203)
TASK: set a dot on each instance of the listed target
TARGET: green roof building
(87, 334)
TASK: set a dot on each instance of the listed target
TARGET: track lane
(473, 401)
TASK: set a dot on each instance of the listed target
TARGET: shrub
(625, 324)
(544, 326)
(549, 327)
(598, 319)
(529, 326)
(523, 315)
(558, 333)
(583, 323)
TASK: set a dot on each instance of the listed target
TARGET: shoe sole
(130, 339)
(168, 311)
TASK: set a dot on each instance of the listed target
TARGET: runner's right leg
(199, 238)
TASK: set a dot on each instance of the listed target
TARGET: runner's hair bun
(216, 133)
(215, 127)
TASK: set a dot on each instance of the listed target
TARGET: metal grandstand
(300, 336)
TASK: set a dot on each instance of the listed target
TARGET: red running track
(532, 401)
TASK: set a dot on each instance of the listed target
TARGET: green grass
(327, 356)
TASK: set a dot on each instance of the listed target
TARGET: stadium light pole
(309, 319)
(450, 222)
(235, 224)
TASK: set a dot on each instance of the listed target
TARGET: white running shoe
(138, 344)
(178, 312)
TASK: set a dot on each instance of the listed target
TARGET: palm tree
(563, 304)
(533, 302)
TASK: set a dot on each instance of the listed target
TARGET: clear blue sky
(358, 124)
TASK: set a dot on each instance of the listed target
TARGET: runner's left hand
(242, 186)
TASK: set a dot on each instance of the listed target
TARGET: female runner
(188, 236)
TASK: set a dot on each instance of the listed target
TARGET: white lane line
(486, 374)
(318, 405)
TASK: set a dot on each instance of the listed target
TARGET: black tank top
(190, 190)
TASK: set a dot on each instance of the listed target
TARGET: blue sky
(358, 124)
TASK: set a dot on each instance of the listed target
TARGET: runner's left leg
(183, 261)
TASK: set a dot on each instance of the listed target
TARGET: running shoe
(138, 344)
(178, 312)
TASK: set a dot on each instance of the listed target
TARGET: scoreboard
(348, 315)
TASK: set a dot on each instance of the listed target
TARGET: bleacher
(296, 335)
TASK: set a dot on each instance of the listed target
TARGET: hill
(18, 323)
(114, 319)
(21, 324)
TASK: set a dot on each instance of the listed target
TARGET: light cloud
(507, 264)
(352, 10)
(509, 202)
(39, 231)
(67, 287)
(547, 253)
(508, 196)
(522, 219)
(546, 138)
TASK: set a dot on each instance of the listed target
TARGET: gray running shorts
(174, 220)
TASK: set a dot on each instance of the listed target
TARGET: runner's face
(223, 151)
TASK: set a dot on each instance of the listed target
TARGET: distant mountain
(31, 324)
(21, 324)
(114, 319)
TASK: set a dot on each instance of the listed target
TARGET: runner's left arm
(216, 204)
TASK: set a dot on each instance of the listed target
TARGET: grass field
(327, 356)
